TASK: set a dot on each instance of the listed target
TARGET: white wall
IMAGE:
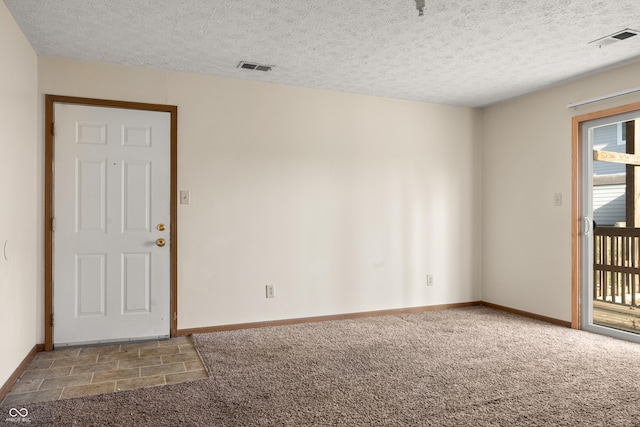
(18, 192)
(527, 158)
(344, 202)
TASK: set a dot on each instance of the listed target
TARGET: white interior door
(111, 205)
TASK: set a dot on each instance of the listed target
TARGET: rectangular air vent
(253, 66)
(615, 37)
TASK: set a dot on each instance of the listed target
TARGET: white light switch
(557, 199)
(185, 197)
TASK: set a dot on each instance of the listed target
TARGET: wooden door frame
(576, 204)
(50, 101)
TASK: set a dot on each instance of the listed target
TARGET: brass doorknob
(160, 227)
(161, 242)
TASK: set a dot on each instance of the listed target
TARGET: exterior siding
(609, 201)
(609, 204)
(605, 138)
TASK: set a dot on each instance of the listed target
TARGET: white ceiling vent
(253, 66)
(615, 37)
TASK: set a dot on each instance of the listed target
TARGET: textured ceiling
(463, 52)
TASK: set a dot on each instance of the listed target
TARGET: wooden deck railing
(616, 265)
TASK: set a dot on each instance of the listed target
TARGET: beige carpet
(461, 367)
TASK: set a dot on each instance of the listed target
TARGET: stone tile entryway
(76, 372)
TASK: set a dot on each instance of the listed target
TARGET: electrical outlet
(429, 279)
(271, 291)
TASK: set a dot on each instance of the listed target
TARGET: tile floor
(76, 372)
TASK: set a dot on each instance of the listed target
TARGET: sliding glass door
(611, 226)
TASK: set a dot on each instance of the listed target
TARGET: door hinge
(53, 224)
(53, 129)
(51, 319)
(175, 316)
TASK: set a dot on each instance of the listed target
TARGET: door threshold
(112, 341)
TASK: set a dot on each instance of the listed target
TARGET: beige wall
(344, 202)
(527, 158)
(18, 192)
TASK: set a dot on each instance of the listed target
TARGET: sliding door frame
(576, 204)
